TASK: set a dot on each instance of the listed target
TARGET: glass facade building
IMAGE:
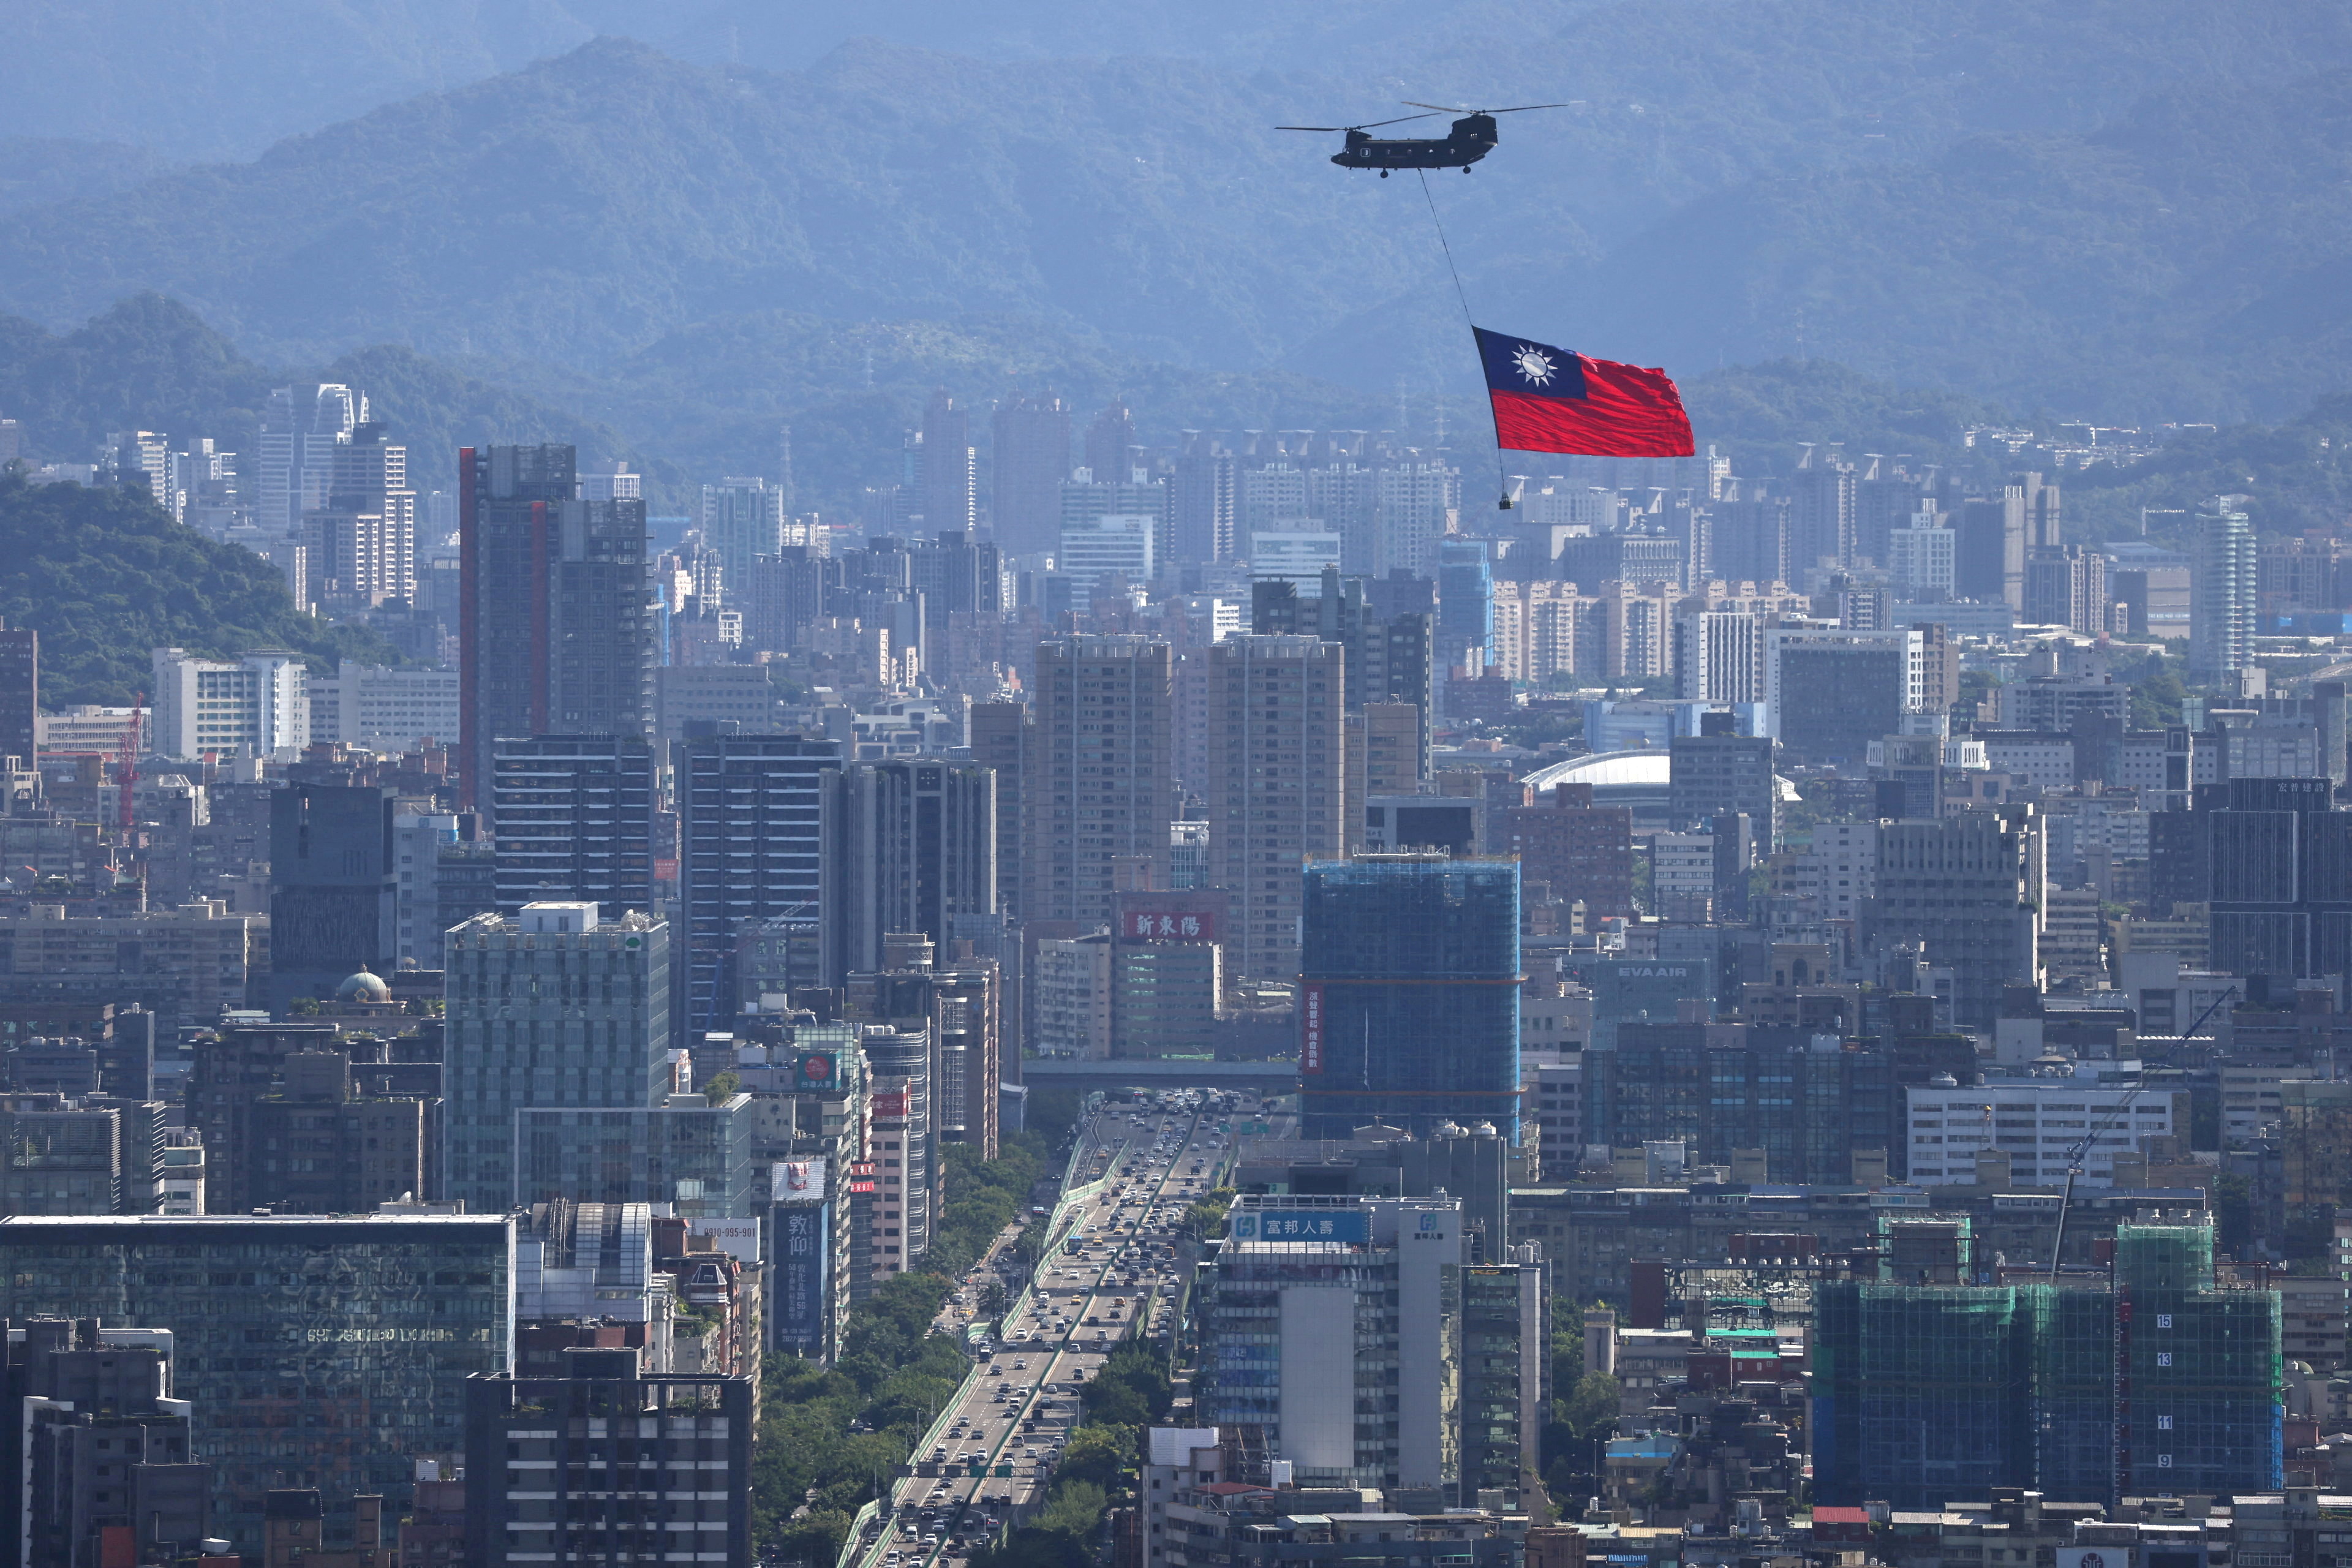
(690, 1154)
(1409, 994)
(324, 1352)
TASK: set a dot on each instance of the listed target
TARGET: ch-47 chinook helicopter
(1472, 138)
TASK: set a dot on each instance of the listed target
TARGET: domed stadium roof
(363, 987)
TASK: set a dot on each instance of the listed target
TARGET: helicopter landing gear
(1384, 173)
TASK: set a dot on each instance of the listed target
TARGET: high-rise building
(1582, 852)
(690, 1154)
(318, 1143)
(300, 427)
(1501, 1335)
(1465, 604)
(687, 1437)
(1277, 786)
(956, 1006)
(429, 1297)
(1829, 694)
(751, 848)
(102, 1460)
(1328, 1323)
(576, 821)
(1389, 648)
(554, 628)
(1031, 458)
(360, 534)
(901, 1144)
(742, 518)
(554, 1007)
(1110, 442)
(2066, 586)
(1716, 773)
(1206, 502)
(999, 742)
(20, 692)
(334, 898)
(256, 707)
(1167, 974)
(1107, 544)
(1719, 656)
(1926, 1384)
(950, 468)
(1408, 999)
(2222, 591)
(1967, 889)
(1099, 777)
(909, 845)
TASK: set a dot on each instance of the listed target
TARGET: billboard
(738, 1238)
(1301, 1225)
(1167, 925)
(816, 1071)
(892, 1103)
(803, 1260)
(796, 1182)
(1310, 1028)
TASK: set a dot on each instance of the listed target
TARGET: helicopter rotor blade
(1311, 128)
(1439, 108)
(1524, 107)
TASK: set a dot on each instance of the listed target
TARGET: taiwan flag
(1550, 400)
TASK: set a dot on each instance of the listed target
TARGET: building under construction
(1929, 1386)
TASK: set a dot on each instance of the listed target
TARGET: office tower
(2221, 583)
(691, 1154)
(1277, 786)
(1092, 548)
(951, 468)
(574, 817)
(2066, 586)
(1409, 1002)
(1070, 998)
(1110, 444)
(1830, 693)
(20, 692)
(2268, 857)
(554, 632)
(300, 427)
(79, 1154)
(1583, 852)
(999, 742)
(603, 1417)
(1167, 974)
(1328, 1323)
(1031, 458)
(1415, 505)
(378, 708)
(751, 848)
(256, 707)
(241, 1066)
(1465, 604)
(1994, 536)
(1098, 775)
(555, 1007)
(957, 1005)
(428, 1294)
(1206, 502)
(1926, 1384)
(318, 1144)
(1718, 773)
(900, 1143)
(1718, 1089)
(332, 896)
(1966, 890)
(741, 517)
(1389, 648)
(909, 845)
(1719, 656)
(101, 1462)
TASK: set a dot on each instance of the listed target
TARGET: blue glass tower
(1466, 601)
(1409, 993)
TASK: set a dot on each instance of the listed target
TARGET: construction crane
(2081, 1149)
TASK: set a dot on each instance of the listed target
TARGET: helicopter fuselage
(1472, 137)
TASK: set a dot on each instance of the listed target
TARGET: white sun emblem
(1534, 364)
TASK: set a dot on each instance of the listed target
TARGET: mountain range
(2118, 211)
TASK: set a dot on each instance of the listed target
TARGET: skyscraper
(909, 845)
(1099, 778)
(1718, 773)
(1205, 502)
(576, 816)
(332, 899)
(742, 518)
(950, 472)
(1829, 694)
(1031, 458)
(1000, 741)
(1110, 441)
(20, 691)
(2222, 582)
(1465, 603)
(361, 533)
(1409, 994)
(553, 1007)
(553, 625)
(749, 849)
(1967, 889)
(1277, 786)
